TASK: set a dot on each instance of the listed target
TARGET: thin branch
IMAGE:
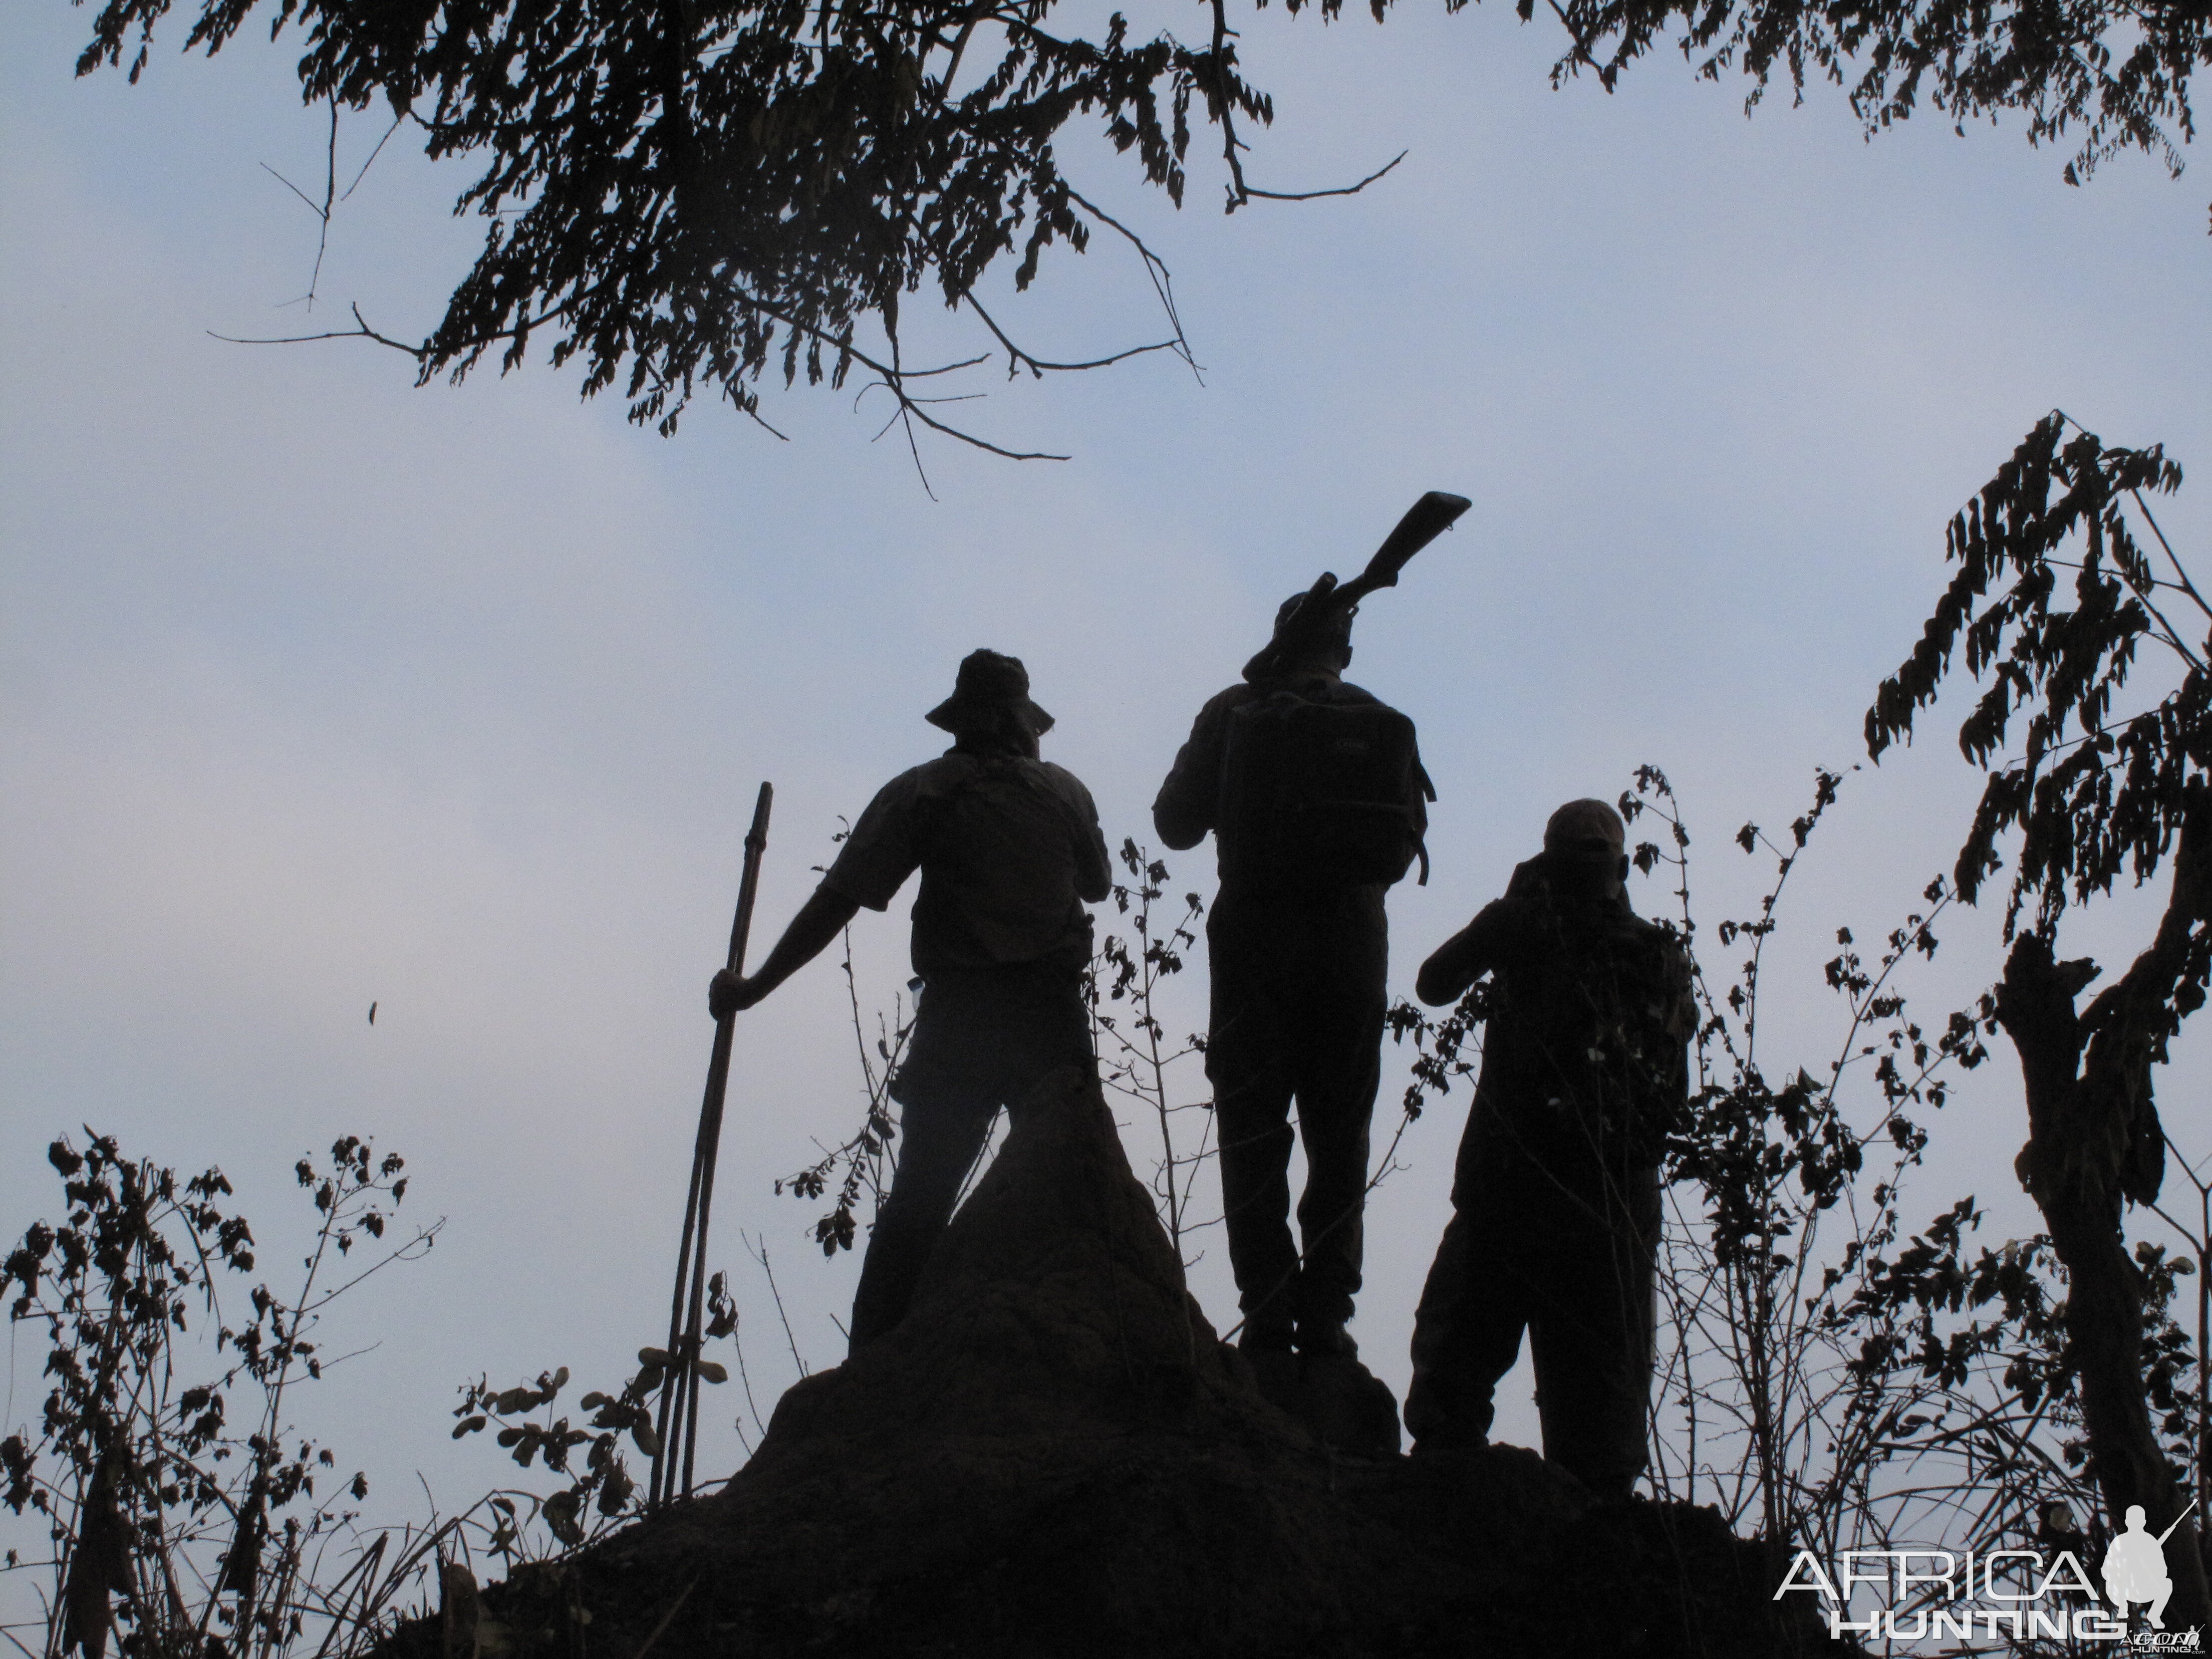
(1156, 268)
(1017, 359)
(313, 207)
(912, 406)
(1217, 99)
(356, 1353)
(2168, 632)
(866, 361)
(330, 201)
(2076, 564)
(2060, 747)
(1315, 195)
(746, 1381)
(758, 1251)
(321, 209)
(754, 414)
(1863, 1005)
(1219, 106)
(913, 449)
(396, 122)
(412, 1250)
(960, 45)
(892, 376)
(361, 331)
(2189, 586)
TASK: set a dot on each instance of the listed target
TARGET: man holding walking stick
(1009, 848)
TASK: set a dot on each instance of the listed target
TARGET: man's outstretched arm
(819, 921)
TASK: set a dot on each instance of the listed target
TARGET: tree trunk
(2093, 1139)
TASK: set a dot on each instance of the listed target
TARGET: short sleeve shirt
(1008, 847)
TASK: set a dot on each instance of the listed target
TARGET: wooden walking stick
(677, 1420)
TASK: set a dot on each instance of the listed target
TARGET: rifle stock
(1426, 519)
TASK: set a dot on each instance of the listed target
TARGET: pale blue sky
(322, 688)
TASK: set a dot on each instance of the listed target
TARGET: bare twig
(396, 122)
(911, 408)
(361, 331)
(753, 414)
(1017, 359)
(758, 1250)
(1253, 191)
(413, 1250)
(745, 1382)
(1156, 270)
(314, 206)
(321, 209)
(1219, 105)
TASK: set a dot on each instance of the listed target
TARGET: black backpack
(1319, 795)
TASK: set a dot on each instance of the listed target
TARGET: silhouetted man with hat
(1009, 848)
(1555, 1199)
(1313, 792)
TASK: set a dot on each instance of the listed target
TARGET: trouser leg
(979, 1041)
(1467, 1331)
(1252, 1107)
(1591, 1337)
(1338, 963)
(1298, 1011)
(942, 1137)
(1341, 1069)
(1246, 1063)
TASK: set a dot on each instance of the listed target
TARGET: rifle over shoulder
(1328, 598)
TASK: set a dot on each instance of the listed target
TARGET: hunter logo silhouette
(2135, 1568)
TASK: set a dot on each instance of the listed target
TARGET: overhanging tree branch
(677, 195)
(639, 166)
(2116, 72)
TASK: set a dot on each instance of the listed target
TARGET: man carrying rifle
(1315, 794)
(1009, 848)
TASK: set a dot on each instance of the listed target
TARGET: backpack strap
(1421, 841)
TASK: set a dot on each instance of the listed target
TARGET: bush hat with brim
(989, 684)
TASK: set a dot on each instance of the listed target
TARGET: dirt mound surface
(1054, 1455)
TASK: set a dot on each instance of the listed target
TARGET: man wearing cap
(1555, 1199)
(1009, 848)
(1298, 955)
